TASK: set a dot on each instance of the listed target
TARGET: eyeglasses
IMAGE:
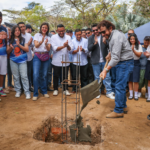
(103, 32)
(88, 33)
(95, 30)
(61, 31)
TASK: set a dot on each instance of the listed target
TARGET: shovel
(90, 91)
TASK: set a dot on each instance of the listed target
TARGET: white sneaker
(139, 94)
(98, 96)
(146, 95)
(113, 93)
(17, 94)
(67, 93)
(28, 96)
(34, 98)
(148, 99)
(110, 95)
(46, 95)
(55, 93)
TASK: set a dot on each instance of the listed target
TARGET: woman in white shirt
(41, 60)
(135, 75)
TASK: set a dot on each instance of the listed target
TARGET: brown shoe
(115, 115)
(125, 110)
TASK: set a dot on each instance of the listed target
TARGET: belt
(41, 52)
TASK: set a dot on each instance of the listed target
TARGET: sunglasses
(103, 32)
(95, 30)
(87, 33)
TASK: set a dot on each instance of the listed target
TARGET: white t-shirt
(148, 50)
(27, 37)
(42, 48)
(56, 42)
(101, 56)
(139, 50)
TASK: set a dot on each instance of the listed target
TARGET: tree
(35, 16)
(142, 7)
(124, 20)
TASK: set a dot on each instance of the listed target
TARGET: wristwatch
(106, 69)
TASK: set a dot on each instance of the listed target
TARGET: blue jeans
(113, 78)
(40, 66)
(97, 69)
(49, 74)
(19, 70)
(29, 65)
(123, 70)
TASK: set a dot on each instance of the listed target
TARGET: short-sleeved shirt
(27, 38)
(3, 42)
(138, 50)
(42, 48)
(17, 54)
(56, 42)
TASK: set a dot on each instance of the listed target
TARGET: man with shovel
(120, 56)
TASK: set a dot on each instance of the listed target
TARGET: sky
(19, 4)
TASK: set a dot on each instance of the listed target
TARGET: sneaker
(34, 98)
(17, 94)
(67, 93)
(130, 97)
(110, 95)
(148, 99)
(146, 95)
(6, 91)
(98, 96)
(28, 96)
(139, 94)
(46, 95)
(136, 98)
(55, 93)
(2, 93)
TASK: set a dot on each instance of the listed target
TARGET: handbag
(42, 57)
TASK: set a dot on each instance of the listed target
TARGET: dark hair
(136, 40)
(107, 24)
(77, 30)
(53, 31)
(20, 23)
(88, 29)
(45, 23)
(60, 26)
(1, 14)
(13, 34)
(147, 38)
(83, 30)
(94, 25)
(69, 31)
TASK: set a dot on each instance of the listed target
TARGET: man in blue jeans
(98, 47)
(122, 57)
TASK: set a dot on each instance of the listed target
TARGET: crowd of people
(32, 61)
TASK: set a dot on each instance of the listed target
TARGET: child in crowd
(147, 71)
(143, 62)
(18, 49)
(135, 75)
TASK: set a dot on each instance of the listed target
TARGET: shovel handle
(106, 64)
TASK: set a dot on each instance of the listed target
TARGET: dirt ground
(19, 118)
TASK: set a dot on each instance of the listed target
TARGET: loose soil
(20, 119)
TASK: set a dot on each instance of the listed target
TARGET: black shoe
(31, 90)
(136, 99)
(48, 89)
(130, 98)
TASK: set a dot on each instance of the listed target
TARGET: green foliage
(124, 20)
